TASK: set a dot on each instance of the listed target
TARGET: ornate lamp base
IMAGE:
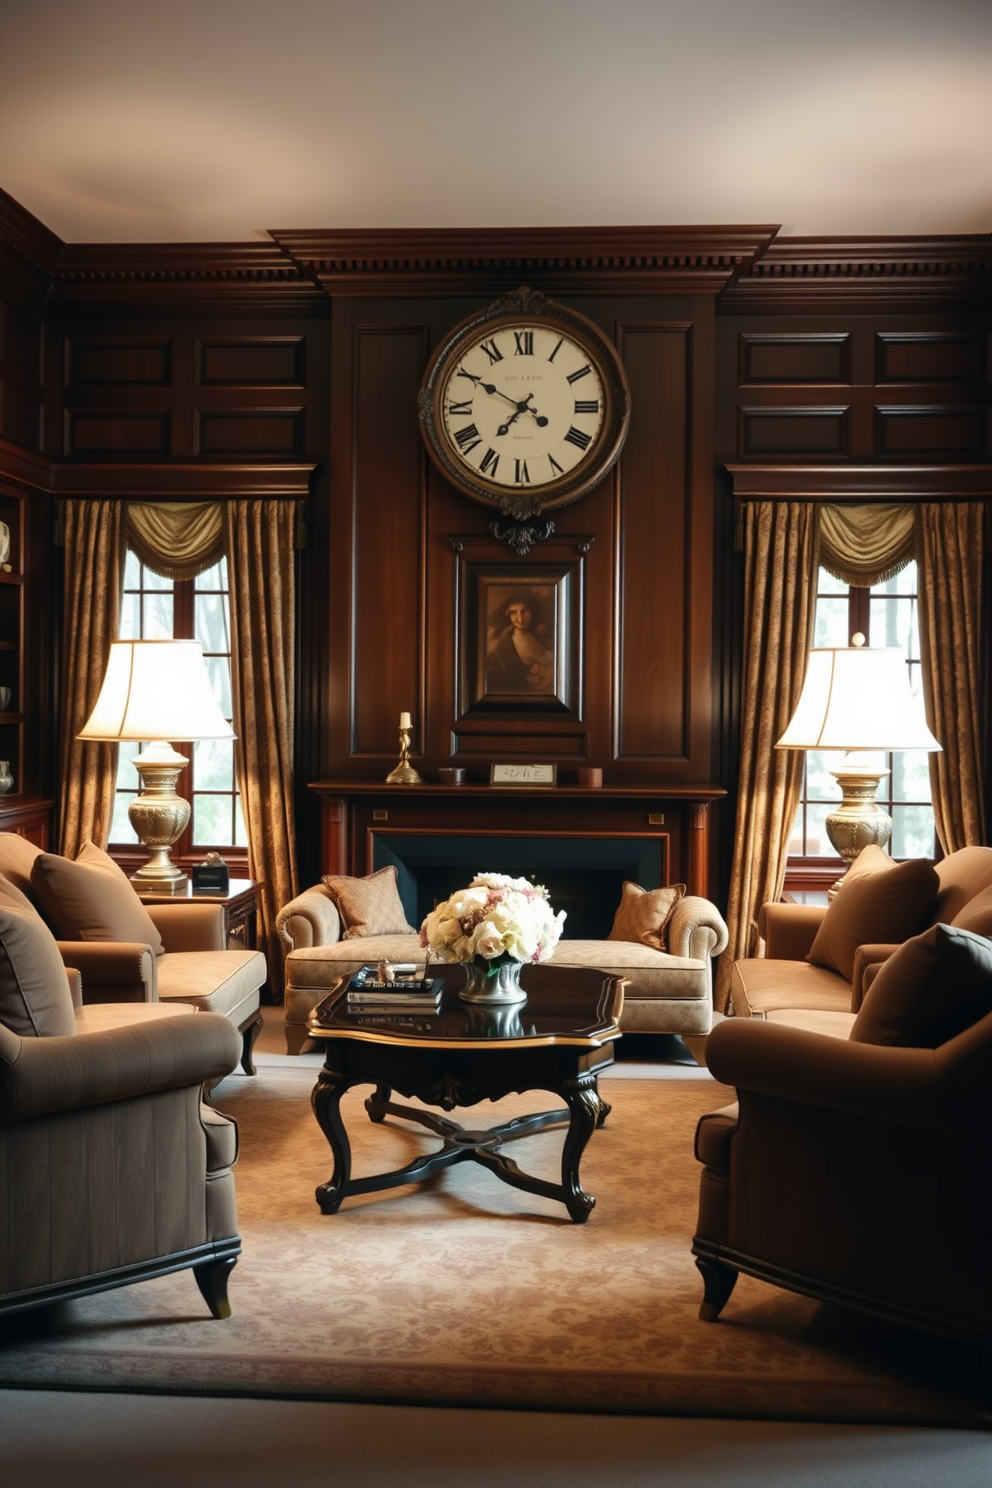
(858, 821)
(159, 817)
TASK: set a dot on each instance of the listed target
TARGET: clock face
(522, 405)
(525, 406)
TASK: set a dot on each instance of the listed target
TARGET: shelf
(11, 578)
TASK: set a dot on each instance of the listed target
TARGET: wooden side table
(240, 909)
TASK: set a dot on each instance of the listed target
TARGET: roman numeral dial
(510, 408)
(524, 405)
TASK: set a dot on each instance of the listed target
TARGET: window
(155, 607)
(886, 615)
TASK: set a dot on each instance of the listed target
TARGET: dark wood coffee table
(558, 1040)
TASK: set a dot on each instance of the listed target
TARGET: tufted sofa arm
(696, 929)
(311, 919)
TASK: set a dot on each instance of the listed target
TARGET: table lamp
(152, 689)
(858, 699)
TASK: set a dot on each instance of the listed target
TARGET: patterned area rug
(466, 1291)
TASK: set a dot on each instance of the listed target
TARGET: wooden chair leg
(718, 1283)
(248, 1037)
(212, 1278)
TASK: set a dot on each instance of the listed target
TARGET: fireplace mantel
(675, 817)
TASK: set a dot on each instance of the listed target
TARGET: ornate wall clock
(525, 405)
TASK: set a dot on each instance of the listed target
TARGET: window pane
(820, 784)
(158, 610)
(893, 622)
(240, 831)
(826, 583)
(213, 761)
(910, 775)
(120, 828)
(830, 626)
(130, 626)
(219, 672)
(215, 578)
(212, 823)
(211, 628)
(913, 833)
(132, 570)
(818, 844)
(154, 580)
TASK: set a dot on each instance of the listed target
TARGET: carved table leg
(378, 1103)
(326, 1103)
(586, 1113)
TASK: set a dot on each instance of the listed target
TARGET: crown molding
(861, 483)
(656, 260)
(221, 275)
(183, 482)
(812, 274)
(27, 237)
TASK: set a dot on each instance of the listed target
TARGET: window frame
(184, 853)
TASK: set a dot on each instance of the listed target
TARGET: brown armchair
(113, 1168)
(857, 1171)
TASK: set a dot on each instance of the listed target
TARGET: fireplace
(584, 877)
(581, 842)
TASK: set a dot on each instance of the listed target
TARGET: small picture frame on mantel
(514, 774)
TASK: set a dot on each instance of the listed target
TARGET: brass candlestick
(404, 773)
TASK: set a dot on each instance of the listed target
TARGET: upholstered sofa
(128, 952)
(112, 1166)
(823, 993)
(856, 1170)
(667, 991)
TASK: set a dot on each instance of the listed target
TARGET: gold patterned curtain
(262, 576)
(93, 588)
(779, 599)
(952, 542)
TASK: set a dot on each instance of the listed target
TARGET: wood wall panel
(123, 434)
(261, 431)
(816, 432)
(272, 361)
(20, 341)
(387, 555)
(930, 356)
(20, 415)
(652, 637)
(951, 432)
(121, 362)
(805, 360)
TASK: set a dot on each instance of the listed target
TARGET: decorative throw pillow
(17, 857)
(91, 899)
(35, 1001)
(932, 988)
(369, 906)
(976, 915)
(644, 914)
(880, 903)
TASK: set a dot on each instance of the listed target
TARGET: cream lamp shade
(154, 691)
(858, 699)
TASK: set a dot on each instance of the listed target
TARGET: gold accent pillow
(879, 902)
(369, 906)
(91, 899)
(644, 914)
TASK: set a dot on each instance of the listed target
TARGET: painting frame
(519, 638)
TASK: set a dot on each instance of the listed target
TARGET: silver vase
(496, 982)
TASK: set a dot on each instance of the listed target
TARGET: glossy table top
(565, 1005)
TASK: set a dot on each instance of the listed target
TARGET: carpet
(465, 1291)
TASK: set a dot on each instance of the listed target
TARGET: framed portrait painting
(520, 637)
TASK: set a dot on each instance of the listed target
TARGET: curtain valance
(865, 545)
(178, 539)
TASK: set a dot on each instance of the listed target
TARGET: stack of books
(411, 995)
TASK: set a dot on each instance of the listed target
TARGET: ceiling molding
(861, 483)
(183, 482)
(29, 238)
(218, 274)
(657, 260)
(817, 273)
(24, 467)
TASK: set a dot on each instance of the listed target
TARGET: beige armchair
(113, 1167)
(128, 952)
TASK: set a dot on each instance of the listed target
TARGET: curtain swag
(865, 545)
(178, 539)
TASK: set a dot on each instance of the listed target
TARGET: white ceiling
(199, 120)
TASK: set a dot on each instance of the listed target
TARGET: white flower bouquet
(497, 919)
